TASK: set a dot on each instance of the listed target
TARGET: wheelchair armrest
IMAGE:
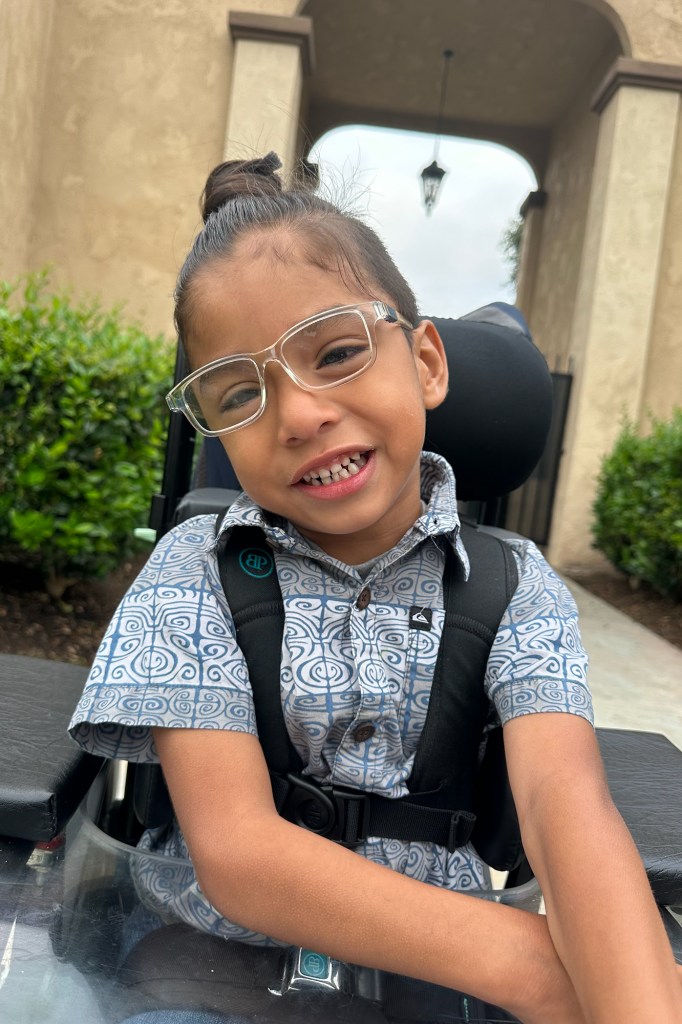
(44, 775)
(644, 770)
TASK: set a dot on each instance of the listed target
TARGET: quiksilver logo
(420, 618)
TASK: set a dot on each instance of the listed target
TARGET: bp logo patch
(256, 562)
(314, 965)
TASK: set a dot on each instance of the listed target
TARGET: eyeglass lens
(320, 354)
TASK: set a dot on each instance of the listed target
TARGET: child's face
(244, 305)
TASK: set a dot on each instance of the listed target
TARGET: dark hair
(241, 196)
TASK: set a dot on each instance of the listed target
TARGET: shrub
(81, 431)
(638, 508)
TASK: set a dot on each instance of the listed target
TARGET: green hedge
(82, 426)
(638, 508)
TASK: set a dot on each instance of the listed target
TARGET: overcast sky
(452, 257)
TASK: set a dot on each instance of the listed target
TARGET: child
(310, 363)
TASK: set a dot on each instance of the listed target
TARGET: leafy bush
(81, 431)
(638, 508)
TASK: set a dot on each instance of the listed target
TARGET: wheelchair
(76, 938)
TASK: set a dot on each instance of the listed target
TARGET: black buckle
(461, 826)
(334, 812)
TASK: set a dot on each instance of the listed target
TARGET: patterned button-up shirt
(170, 658)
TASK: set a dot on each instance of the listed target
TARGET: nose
(299, 414)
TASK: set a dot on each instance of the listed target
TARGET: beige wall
(662, 389)
(134, 119)
(647, 30)
(265, 101)
(614, 306)
(654, 29)
(25, 34)
(567, 183)
(102, 179)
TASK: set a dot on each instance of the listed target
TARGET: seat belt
(440, 806)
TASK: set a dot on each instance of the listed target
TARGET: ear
(432, 363)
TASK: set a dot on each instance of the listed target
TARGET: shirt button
(363, 733)
(364, 597)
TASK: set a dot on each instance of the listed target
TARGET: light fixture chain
(447, 57)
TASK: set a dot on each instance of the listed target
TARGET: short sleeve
(169, 657)
(537, 662)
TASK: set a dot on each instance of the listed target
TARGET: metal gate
(528, 510)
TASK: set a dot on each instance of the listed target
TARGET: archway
(452, 258)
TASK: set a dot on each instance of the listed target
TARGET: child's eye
(236, 398)
(341, 352)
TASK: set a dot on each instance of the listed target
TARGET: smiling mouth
(341, 469)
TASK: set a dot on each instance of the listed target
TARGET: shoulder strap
(249, 579)
(446, 760)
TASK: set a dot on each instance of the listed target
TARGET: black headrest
(493, 425)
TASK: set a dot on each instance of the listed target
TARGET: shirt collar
(440, 518)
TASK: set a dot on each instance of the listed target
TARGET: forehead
(246, 302)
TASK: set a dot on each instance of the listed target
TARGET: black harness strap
(249, 579)
(440, 806)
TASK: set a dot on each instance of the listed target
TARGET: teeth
(349, 465)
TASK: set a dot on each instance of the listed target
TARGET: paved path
(635, 676)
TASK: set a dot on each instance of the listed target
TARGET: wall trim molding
(534, 201)
(643, 73)
(275, 28)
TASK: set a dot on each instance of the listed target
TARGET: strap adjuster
(334, 812)
(461, 826)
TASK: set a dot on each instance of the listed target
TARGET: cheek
(252, 462)
(236, 453)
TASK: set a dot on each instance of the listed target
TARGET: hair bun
(235, 178)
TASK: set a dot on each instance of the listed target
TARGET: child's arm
(271, 876)
(601, 914)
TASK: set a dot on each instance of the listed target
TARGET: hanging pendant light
(433, 175)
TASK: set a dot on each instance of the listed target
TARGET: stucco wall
(25, 31)
(134, 118)
(567, 183)
(654, 29)
(663, 383)
(619, 278)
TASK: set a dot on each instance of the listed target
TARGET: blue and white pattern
(170, 658)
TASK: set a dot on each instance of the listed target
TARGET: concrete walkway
(635, 676)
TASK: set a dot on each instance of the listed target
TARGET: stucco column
(271, 57)
(616, 296)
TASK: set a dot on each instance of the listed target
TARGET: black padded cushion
(43, 774)
(493, 425)
(644, 771)
(204, 501)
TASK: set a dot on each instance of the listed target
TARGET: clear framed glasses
(321, 352)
